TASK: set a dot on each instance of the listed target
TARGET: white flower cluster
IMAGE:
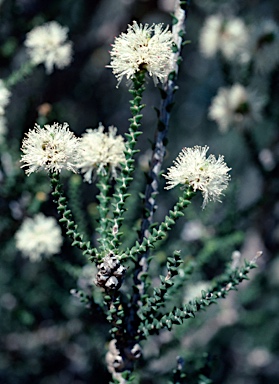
(237, 106)
(257, 44)
(142, 47)
(52, 148)
(48, 45)
(192, 168)
(225, 35)
(100, 151)
(39, 236)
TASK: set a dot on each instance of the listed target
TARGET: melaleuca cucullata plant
(135, 311)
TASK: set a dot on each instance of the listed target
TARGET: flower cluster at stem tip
(100, 150)
(54, 147)
(192, 168)
(142, 47)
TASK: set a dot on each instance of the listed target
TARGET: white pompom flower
(236, 106)
(48, 44)
(100, 151)
(142, 47)
(39, 236)
(51, 148)
(192, 168)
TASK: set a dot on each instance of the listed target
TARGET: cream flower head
(100, 150)
(142, 47)
(192, 168)
(237, 106)
(225, 35)
(48, 45)
(52, 148)
(39, 236)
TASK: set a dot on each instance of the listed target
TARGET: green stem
(149, 242)
(76, 204)
(125, 177)
(103, 208)
(224, 284)
(160, 233)
(159, 296)
(67, 218)
(115, 314)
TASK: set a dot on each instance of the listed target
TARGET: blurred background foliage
(46, 334)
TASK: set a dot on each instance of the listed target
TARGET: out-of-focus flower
(3, 128)
(44, 109)
(142, 47)
(225, 35)
(100, 150)
(193, 230)
(262, 48)
(52, 148)
(5, 95)
(236, 105)
(48, 45)
(192, 168)
(236, 256)
(195, 290)
(167, 5)
(266, 157)
(38, 236)
(259, 357)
